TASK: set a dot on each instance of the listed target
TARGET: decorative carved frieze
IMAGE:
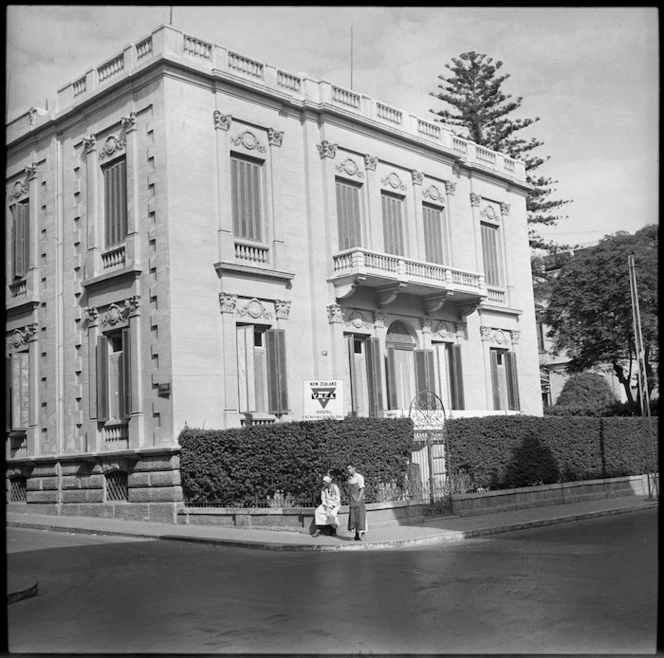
(248, 140)
(496, 336)
(490, 213)
(356, 319)
(445, 330)
(450, 187)
(254, 309)
(227, 302)
(18, 190)
(379, 319)
(21, 337)
(129, 123)
(418, 177)
(334, 313)
(433, 193)
(370, 163)
(475, 199)
(504, 208)
(119, 313)
(394, 182)
(327, 149)
(275, 137)
(222, 121)
(486, 333)
(89, 143)
(112, 145)
(350, 168)
(282, 309)
(92, 316)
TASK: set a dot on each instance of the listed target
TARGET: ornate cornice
(248, 140)
(370, 162)
(275, 137)
(450, 187)
(350, 168)
(129, 123)
(227, 302)
(418, 177)
(475, 199)
(433, 193)
(504, 208)
(254, 309)
(89, 143)
(111, 146)
(393, 181)
(222, 121)
(327, 149)
(282, 309)
(334, 313)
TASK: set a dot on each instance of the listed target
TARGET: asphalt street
(585, 587)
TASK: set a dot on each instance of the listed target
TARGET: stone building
(194, 234)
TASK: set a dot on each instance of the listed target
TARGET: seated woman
(326, 513)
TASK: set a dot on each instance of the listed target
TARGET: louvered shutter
(20, 238)
(456, 377)
(512, 381)
(348, 215)
(245, 369)
(424, 371)
(490, 254)
(374, 377)
(102, 379)
(8, 393)
(392, 225)
(126, 393)
(276, 371)
(433, 234)
(391, 379)
(350, 348)
(246, 199)
(115, 203)
(494, 378)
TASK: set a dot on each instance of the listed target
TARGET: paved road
(587, 587)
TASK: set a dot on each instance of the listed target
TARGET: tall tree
(484, 112)
(589, 311)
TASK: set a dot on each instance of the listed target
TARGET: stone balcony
(206, 57)
(389, 275)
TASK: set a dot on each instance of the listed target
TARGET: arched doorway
(400, 344)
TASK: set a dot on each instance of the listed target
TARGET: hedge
(500, 452)
(285, 462)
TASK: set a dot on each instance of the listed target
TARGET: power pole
(644, 395)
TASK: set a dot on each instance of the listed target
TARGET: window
(400, 370)
(491, 255)
(20, 240)
(433, 234)
(349, 217)
(449, 377)
(393, 224)
(115, 202)
(114, 376)
(261, 361)
(246, 199)
(504, 379)
(18, 392)
(365, 376)
(117, 486)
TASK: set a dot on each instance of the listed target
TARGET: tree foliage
(590, 312)
(587, 389)
(484, 112)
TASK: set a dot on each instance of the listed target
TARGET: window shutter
(20, 244)
(102, 379)
(246, 199)
(8, 393)
(348, 215)
(424, 371)
(126, 393)
(391, 380)
(23, 389)
(374, 377)
(392, 225)
(276, 371)
(350, 343)
(494, 378)
(115, 203)
(245, 368)
(433, 234)
(512, 382)
(456, 377)
(490, 254)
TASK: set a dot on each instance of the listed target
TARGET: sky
(590, 74)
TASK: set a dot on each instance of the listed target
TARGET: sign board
(323, 399)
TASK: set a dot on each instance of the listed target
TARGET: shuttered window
(424, 371)
(504, 381)
(276, 371)
(348, 215)
(433, 234)
(393, 224)
(114, 376)
(455, 376)
(365, 376)
(512, 382)
(18, 391)
(246, 199)
(491, 257)
(20, 241)
(115, 202)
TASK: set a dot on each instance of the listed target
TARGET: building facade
(194, 235)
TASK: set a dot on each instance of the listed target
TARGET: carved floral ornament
(379, 319)
(504, 208)
(222, 121)
(227, 302)
(394, 182)
(490, 213)
(21, 337)
(418, 177)
(450, 186)
(334, 313)
(248, 140)
(350, 168)
(446, 331)
(254, 309)
(370, 162)
(129, 123)
(111, 146)
(116, 314)
(356, 319)
(282, 309)
(18, 190)
(327, 149)
(275, 137)
(475, 199)
(500, 337)
(433, 193)
(89, 143)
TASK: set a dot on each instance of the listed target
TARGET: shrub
(586, 389)
(263, 464)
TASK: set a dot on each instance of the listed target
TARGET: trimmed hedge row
(501, 452)
(285, 461)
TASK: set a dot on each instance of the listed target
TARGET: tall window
(504, 379)
(114, 376)
(393, 239)
(400, 366)
(246, 199)
(18, 392)
(349, 217)
(491, 255)
(115, 202)
(261, 360)
(449, 377)
(433, 234)
(365, 375)
(20, 240)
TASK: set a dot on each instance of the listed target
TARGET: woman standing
(357, 515)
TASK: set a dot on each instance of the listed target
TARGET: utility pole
(644, 395)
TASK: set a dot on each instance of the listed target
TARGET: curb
(22, 587)
(448, 536)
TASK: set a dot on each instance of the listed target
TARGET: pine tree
(484, 112)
